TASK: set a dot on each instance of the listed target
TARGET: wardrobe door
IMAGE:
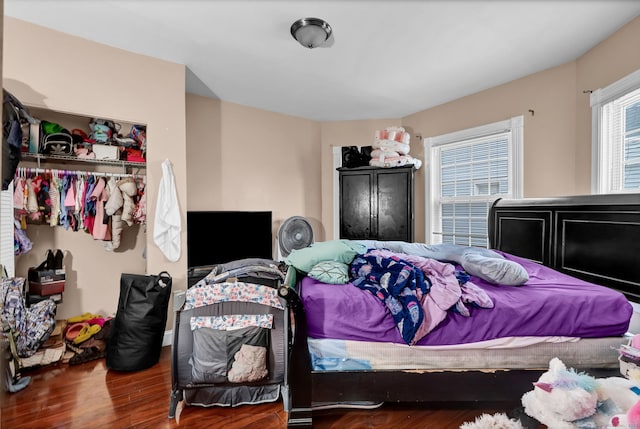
(394, 196)
(356, 204)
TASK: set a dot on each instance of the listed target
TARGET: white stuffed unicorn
(565, 399)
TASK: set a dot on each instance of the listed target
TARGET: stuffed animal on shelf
(564, 398)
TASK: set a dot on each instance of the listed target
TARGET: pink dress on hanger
(101, 230)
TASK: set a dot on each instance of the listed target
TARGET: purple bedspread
(550, 303)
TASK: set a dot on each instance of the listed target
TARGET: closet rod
(29, 170)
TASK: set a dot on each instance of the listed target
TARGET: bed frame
(594, 237)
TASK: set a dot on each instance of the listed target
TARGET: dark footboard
(299, 376)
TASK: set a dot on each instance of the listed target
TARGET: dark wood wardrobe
(376, 203)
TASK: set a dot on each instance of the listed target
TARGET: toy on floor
(630, 420)
(496, 421)
(563, 398)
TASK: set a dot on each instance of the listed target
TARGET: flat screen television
(217, 237)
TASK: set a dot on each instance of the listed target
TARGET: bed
(584, 246)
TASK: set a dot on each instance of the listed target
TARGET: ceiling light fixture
(311, 32)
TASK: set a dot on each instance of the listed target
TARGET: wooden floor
(90, 396)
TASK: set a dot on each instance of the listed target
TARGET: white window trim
(600, 97)
(336, 159)
(515, 125)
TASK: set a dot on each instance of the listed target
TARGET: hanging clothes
(89, 205)
(18, 194)
(113, 209)
(128, 191)
(32, 201)
(54, 194)
(140, 213)
(21, 243)
(14, 114)
(101, 230)
(78, 201)
(65, 221)
(41, 188)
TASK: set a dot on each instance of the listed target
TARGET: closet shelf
(39, 157)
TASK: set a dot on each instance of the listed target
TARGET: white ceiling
(386, 59)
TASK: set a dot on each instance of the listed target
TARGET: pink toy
(631, 420)
(633, 415)
(635, 341)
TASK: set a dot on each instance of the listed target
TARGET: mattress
(550, 303)
(349, 355)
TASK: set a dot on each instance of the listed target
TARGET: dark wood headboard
(593, 237)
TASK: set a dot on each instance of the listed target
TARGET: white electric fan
(294, 233)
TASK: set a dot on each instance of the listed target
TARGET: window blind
(616, 136)
(621, 136)
(470, 169)
(631, 173)
(473, 174)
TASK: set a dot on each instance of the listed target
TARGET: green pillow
(332, 272)
(335, 250)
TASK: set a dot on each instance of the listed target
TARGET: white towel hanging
(166, 227)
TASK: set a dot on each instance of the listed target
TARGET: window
(616, 136)
(470, 169)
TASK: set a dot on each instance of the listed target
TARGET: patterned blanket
(396, 283)
(417, 291)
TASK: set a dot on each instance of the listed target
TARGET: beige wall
(549, 135)
(549, 130)
(52, 70)
(337, 134)
(204, 151)
(242, 158)
(609, 61)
